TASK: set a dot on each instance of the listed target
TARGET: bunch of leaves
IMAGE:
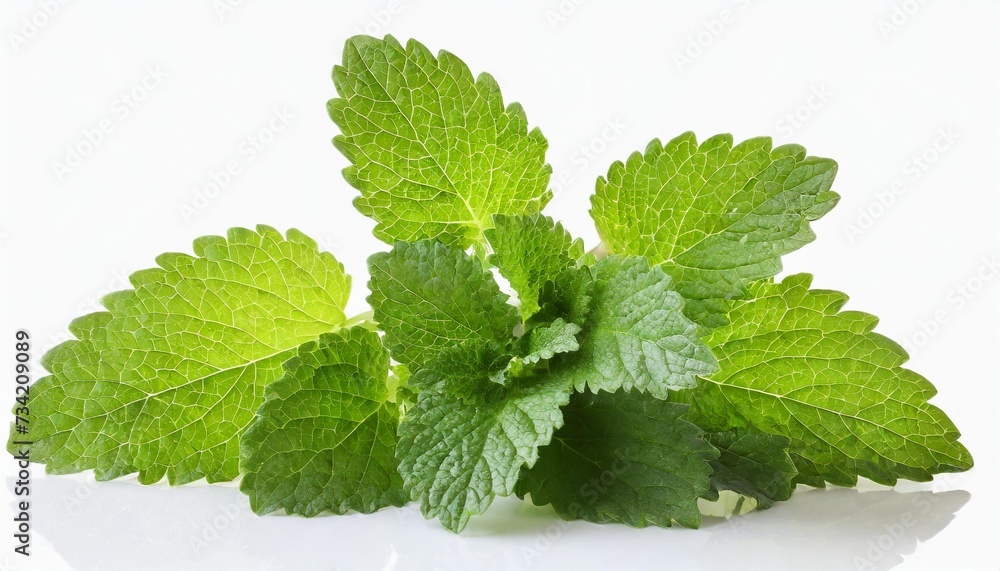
(622, 386)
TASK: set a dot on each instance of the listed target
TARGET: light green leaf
(793, 364)
(458, 453)
(428, 296)
(636, 335)
(623, 457)
(717, 216)
(167, 379)
(433, 150)
(325, 437)
(546, 341)
(752, 463)
(530, 251)
(399, 391)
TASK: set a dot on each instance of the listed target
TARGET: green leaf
(546, 341)
(530, 251)
(325, 437)
(399, 391)
(752, 463)
(428, 296)
(470, 369)
(433, 150)
(717, 216)
(459, 452)
(623, 457)
(569, 296)
(636, 335)
(707, 312)
(793, 364)
(167, 379)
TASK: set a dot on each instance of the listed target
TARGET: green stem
(480, 250)
(364, 319)
(599, 251)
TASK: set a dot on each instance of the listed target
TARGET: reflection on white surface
(121, 525)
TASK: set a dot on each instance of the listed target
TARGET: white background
(874, 85)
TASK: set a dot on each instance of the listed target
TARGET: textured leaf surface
(167, 379)
(457, 454)
(793, 364)
(715, 215)
(623, 457)
(530, 251)
(474, 368)
(636, 335)
(433, 150)
(569, 297)
(752, 463)
(428, 296)
(547, 341)
(325, 437)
